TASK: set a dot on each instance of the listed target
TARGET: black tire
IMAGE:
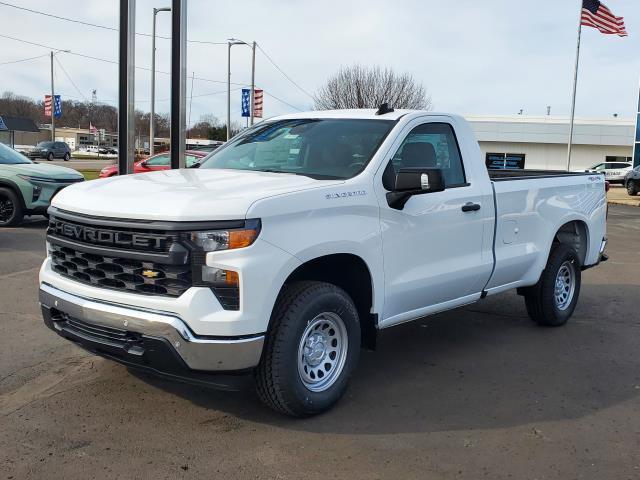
(50, 156)
(540, 299)
(633, 187)
(279, 381)
(67, 157)
(11, 212)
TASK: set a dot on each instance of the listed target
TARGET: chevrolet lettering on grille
(112, 238)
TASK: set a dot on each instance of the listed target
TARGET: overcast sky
(474, 57)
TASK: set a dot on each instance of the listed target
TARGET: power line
(282, 101)
(71, 80)
(95, 25)
(113, 62)
(24, 59)
(283, 73)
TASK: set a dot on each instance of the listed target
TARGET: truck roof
(353, 113)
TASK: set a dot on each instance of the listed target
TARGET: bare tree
(368, 87)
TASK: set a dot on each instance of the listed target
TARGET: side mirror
(144, 164)
(414, 181)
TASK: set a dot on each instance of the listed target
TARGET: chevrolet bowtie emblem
(150, 273)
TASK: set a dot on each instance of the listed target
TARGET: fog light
(225, 285)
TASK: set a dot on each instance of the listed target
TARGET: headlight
(215, 240)
(32, 179)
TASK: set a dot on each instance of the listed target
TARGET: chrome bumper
(198, 353)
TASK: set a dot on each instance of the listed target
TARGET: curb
(628, 203)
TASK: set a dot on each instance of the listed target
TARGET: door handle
(471, 207)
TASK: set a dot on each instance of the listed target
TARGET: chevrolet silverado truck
(290, 247)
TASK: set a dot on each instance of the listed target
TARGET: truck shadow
(484, 366)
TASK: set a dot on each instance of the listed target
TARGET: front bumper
(145, 338)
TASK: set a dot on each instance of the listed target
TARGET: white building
(541, 142)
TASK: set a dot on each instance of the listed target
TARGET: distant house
(14, 130)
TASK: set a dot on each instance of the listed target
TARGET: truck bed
(518, 174)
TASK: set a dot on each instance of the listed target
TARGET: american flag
(596, 15)
(258, 96)
(93, 129)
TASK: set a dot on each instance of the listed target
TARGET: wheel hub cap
(564, 285)
(322, 352)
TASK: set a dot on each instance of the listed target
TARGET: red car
(151, 164)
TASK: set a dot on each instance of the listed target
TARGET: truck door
(435, 252)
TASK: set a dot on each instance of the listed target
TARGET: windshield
(44, 144)
(318, 148)
(8, 156)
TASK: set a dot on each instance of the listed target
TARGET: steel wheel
(322, 351)
(565, 285)
(7, 208)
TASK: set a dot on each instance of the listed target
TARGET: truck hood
(45, 171)
(181, 195)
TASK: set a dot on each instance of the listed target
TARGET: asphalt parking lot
(478, 392)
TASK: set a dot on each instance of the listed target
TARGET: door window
(432, 145)
(158, 161)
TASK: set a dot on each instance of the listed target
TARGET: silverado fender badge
(356, 193)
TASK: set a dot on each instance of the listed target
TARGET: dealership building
(532, 142)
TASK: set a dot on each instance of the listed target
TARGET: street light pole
(253, 80)
(152, 118)
(53, 105)
(230, 43)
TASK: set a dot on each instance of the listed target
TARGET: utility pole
(152, 117)
(229, 90)
(253, 79)
(193, 76)
(53, 105)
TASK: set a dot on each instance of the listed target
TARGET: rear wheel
(11, 213)
(67, 156)
(311, 350)
(552, 300)
(633, 188)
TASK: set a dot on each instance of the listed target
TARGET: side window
(432, 145)
(158, 160)
(190, 160)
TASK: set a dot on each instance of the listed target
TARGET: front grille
(122, 274)
(108, 335)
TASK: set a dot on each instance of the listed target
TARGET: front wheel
(633, 187)
(11, 213)
(552, 300)
(311, 350)
(50, 156)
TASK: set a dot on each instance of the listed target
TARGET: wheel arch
(574, 233)
(6, 183)
(349, 272)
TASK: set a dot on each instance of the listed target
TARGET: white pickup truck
(288, 248)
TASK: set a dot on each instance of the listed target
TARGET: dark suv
(51, 150)
(632, 181)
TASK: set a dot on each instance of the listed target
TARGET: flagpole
(575, 86)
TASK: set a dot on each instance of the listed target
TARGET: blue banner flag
(246, 100)
(57, 106)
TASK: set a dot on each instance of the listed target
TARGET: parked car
(288, 249)
(157, 162)
(632, 181)
(614, 171)
(108, 151)
(50, 150)
(26, 188)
